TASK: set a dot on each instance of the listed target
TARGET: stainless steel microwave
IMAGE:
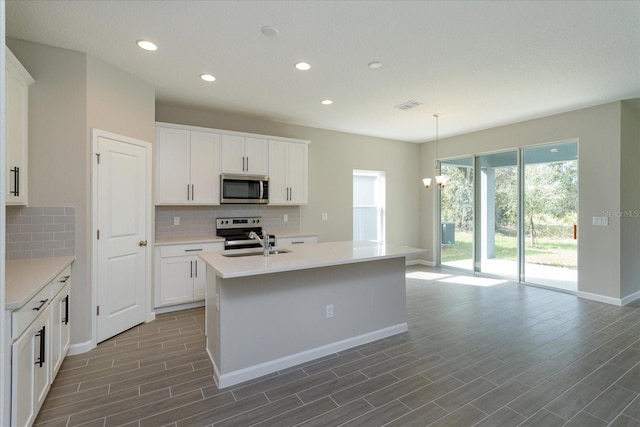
(244, 188)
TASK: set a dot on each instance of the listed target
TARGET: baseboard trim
(178, 307)
(631, 298)
(80, 348)
(422, 262)
(600, 298)
(252, 372)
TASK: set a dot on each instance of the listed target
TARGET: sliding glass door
(513, 214)
(456, 207)
(497, 214)
(550, 186)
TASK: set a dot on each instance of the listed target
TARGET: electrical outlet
(325, 217)
(601, 221)
(329, 311)
(285, 218)
(176, 220)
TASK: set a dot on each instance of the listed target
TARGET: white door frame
(150, 315)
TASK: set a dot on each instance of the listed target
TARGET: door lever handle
(142, 243)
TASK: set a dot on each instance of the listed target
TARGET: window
(368, 205)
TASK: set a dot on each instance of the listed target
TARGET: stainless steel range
(236, 232)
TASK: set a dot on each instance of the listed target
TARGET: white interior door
(123, 217)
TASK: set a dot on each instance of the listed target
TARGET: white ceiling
(479, 64)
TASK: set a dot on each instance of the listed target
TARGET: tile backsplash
(199, 221)
(40, 232)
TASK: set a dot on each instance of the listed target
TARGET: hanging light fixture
(441, 180)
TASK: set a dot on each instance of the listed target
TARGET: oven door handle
(231, 243)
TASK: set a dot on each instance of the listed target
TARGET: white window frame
(379, 202)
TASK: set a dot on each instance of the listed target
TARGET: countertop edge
(35, 278)
(305, 263)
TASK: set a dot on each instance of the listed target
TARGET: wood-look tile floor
(479, 352)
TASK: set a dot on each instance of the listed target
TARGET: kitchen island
(265, 314)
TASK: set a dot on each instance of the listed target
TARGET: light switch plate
(325, 217)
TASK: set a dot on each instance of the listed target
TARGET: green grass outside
(549, 251)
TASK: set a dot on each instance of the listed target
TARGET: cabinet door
(22, 379)
(17, 113)
(176, 280)
(278, 188)
(43, 370)
(199, 278)
(232, 157)
(172, 153)
(257, 155)
(30, 372)
(297, 173)
(59, 329)
(205, 172)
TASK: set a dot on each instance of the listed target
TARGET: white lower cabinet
(181, 276)
(30, 371)
(40, 333)
(288, 241)
(60, 336)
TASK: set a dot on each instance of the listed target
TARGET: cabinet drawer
(61, 280)
(23, 317)
(182, 250)
(288, 241)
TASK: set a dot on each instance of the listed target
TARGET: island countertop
(302, 257)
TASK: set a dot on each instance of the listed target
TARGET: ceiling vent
(408, 105)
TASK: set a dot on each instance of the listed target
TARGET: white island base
(261, 323)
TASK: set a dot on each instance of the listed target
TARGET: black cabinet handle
(64, 279)
(16, 181)
(193, 250)
(191, 269)
(41, 333)
(196, 268)
(42, 303)
(66, 310)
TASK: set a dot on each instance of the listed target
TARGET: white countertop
(302, 257)
(26, 277)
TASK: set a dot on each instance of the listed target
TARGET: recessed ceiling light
(147, 45)
(326, 102)
(269, 31)
(303, 66)
(374, 65)
(207, 77)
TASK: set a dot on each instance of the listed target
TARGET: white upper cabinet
(189, 161)
(244, 155)
(288, 162)
(17, 114)
(187, 167)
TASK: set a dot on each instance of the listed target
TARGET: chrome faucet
(264, 242)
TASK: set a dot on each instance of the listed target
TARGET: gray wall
(332, 158)
(608, 257)
(72, 94)
(630, 201)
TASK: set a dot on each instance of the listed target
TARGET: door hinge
(98, 310)
(98, 157)
(98, 234)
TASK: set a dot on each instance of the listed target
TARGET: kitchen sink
(274, 251)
